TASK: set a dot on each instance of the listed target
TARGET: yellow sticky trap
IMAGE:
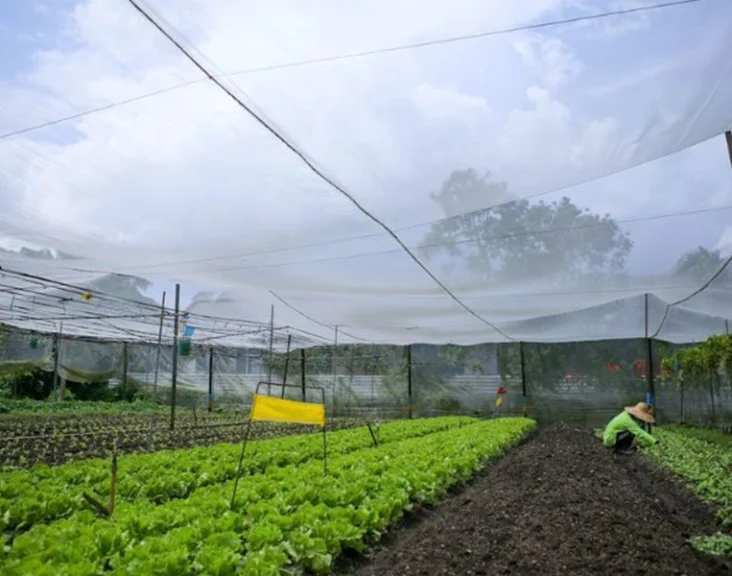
(499, 400)
(86, 296)
(267, 408)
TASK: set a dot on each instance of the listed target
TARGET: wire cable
(362, 54)
(318, 322)
(696, 292)
(316, 170)
(507, 236)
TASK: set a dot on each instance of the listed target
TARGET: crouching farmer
(624, 432)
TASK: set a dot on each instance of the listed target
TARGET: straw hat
(642, 411)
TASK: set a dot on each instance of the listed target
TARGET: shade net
(583, 383)
(478, 173)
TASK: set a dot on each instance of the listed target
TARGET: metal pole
(174, 370)
(649, 365)
(287, 363)
(160, 343)
(726, 327)
(333, 364)
(325, 445)
(711, 395)
(523, 375)
(210, 378)
(125, 352)
(325, 453)
(241, 461)
(271, 347)
(410, 399)
(56, 347)
(681, 385)
(302, 373)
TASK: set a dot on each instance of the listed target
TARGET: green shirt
(625, 422)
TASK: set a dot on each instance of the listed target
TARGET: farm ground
(560, 504)
(175, 512)
(56, 439)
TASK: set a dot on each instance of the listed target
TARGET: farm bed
(703, 460)
(287, 513)
(29, 440)
(560, 504)
(45, 494)
(27, 407)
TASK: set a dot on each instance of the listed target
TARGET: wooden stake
(113, 483)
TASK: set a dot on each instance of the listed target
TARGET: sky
(624, 115)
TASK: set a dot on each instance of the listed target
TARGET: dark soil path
(558, 505)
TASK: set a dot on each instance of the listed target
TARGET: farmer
(624, 431)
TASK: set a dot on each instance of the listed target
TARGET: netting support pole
(650, 377)
(681, 386)
(726, 327)
(56, 348)
(174, 368)
(302, 372)
(125, 362)
(287, 363)
(271, 349)
(410, 398)
(160, 344)
(333, 364)
(210, 378)
(523, 376)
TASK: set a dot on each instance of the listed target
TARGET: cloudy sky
(622, 114)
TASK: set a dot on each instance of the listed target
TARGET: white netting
(547, 179)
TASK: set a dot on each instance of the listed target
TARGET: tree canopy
(700, 263)
(519, 239)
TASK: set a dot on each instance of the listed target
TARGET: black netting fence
(583, 383)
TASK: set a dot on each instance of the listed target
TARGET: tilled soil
(560, 504)
(28, 441)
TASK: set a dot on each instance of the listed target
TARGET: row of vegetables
(51, 407)
(287, 511)
(703, 458)
(45, 494)
(25, 442)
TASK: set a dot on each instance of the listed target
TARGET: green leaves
(717, 544)
(284, 515)
(521, 239)
(705, 465)
(702, 360)
(44, 494)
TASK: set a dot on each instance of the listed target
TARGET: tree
(700, 263)
(519, 240)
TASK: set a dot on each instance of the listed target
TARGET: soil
(560, 504)
(31, 440)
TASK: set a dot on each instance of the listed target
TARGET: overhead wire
(308, 317)
(425, 246)
(21, 314)
(624, 11)
(361, 54)
(710, 281)
(317, 171)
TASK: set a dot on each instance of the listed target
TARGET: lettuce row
(45, 494)
(285, 517)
